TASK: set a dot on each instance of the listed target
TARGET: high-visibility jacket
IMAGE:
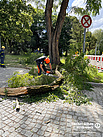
(2, 57)
(40, 61)
(2, 54)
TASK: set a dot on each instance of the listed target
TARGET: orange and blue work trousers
(39, 69)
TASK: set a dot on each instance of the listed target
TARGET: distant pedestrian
(2, 57)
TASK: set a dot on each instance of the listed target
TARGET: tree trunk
(54, 34)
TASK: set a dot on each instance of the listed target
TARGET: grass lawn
(100, 74)
(14, 61)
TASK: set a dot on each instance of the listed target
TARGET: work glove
(51, 71)
(44, 72)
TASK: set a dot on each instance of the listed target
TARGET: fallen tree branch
(33, 89)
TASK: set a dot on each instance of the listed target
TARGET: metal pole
(84, 40)
(98, 50)
(95, 49)
(0, 49)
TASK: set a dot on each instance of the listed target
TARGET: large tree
(54, 33)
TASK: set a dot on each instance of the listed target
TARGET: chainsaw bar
(51, 75)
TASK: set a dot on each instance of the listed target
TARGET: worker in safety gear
(2, 57)
(41, 67)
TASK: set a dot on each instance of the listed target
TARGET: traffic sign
(86, 21)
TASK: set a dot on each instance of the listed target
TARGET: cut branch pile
(33, 89)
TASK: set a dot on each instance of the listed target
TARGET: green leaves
(75, 72)
(20, 80)
(76, 35)
(78, 98)
(93, 6)
(15, 20)
(44, 80)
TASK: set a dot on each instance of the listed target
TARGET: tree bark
(48, 15)
(54, 34)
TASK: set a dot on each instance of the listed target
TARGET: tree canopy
(22, 26)
(54, 33)
(15, 21)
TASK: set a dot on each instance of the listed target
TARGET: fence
(96, 60)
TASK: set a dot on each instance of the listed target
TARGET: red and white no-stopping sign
(86, 21)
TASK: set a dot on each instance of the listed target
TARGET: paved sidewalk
(5, 73)
(55, 119)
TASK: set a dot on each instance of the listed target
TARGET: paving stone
(35, 129)
(98, 134)
(1, 131)
(35, 135)
(61, 135)
(68, 135)
(43, 128)
(19, 135)
(54, 135)
(6, 128)
(6, 133)
(28, 133)
(40, 132)
(13, 134)
(23, 126)
(23, 131)
(49, 129)
(18, 130)
(47, 134)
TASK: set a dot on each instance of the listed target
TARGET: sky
(97, 22)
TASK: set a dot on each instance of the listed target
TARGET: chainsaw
(48, 73)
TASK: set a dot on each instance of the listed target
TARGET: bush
(75, 78)
(75, 72)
